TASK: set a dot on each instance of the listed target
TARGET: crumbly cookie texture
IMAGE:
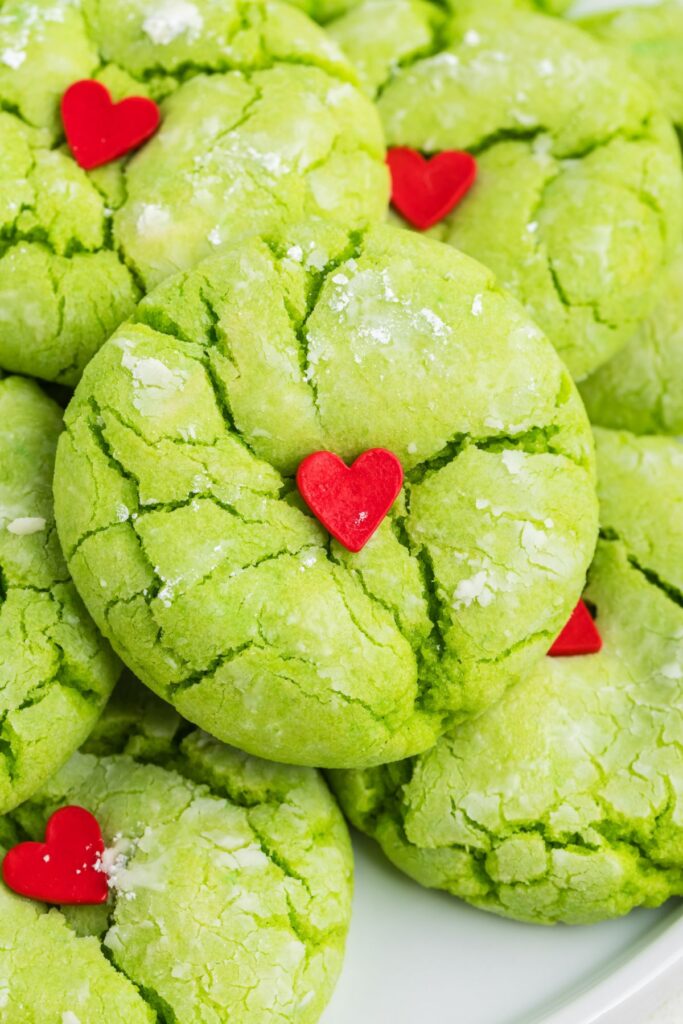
(577, 207)
(652, 38)
(56, 672)
(326, 10)
(641, 388)
(261, 128)
(230, 886)
(564, 802)
(182, 525)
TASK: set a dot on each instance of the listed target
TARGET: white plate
(420, 957)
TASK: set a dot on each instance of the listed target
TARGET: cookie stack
(340, 378)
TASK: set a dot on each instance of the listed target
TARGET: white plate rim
(644, 979)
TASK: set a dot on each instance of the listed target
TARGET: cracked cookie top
(230, 886)
(326, 10)
(261, 129)
(641, 387)
(577, 206)
(55, 670)
(652, 38)
(183, 528)
(565, 801)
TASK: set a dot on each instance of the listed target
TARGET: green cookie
(261, 129)
(178, 510)
(641, 388)
(563, 803)
(230, 882)
(326, 10)
(652, 38)
(578, 201)
(56, 673)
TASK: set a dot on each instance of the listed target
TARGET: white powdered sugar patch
(215, 236)
(478, 305)
(172, 19)
(114, 863)
(13, 58)
(24, 526)
(513, 461)
(476, 588)
(672, 671)
(69, 1017)
(153, 381)
(153, 219)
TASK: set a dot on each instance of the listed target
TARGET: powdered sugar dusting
(172, 19)
(24, 526)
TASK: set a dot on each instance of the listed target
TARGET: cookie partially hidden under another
(565, 801)
(230, 886)
(56, 672)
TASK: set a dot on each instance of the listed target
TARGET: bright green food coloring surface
(326, 10)
(652, 38)
(565, 801)
(641, 387)
(578, 202)
(184, 530)
(56, 672)
(230, 891)
(262, 128)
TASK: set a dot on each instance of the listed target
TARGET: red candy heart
(63, 868)
(579, 636)
(424, 190)
(99, 130)
(350, 501)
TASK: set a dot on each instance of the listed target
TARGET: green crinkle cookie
(641, 388)
(56, 672)
(326, 10)
(652, 38)
(578, 203)
(230, 886)
(565, 801)
(261, 128)
(178, 511)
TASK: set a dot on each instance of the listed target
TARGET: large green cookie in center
(189, 543)
(577, 206)
(261, 128)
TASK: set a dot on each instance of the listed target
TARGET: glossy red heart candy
(579, 636)
(99, 130)
(426, 189)
(63, 869)
(350, 501)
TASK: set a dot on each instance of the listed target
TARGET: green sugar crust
(56, 672)
(564, 802)
(652, 39)
(578, 202)
(641, 388)
(183, 528)
(262, 128)
(325, 11)
(230, 885)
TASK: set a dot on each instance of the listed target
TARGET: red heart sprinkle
(350, 501)
(63, 868)
(425, 190)
(99, 130)
(579, 636)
